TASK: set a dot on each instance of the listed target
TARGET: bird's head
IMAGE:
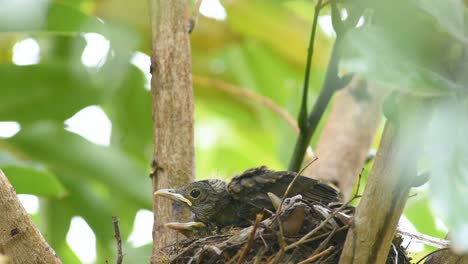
(202, 197)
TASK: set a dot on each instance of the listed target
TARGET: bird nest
(300, 232)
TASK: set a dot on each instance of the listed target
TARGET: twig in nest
(317, 256)
(250, 239)
(322, 224)
(324, 242)
(291, 184)
(115, 220)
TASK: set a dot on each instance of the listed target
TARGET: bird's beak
(172, 194)
(185, 226)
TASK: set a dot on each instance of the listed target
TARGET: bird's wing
(253, 185)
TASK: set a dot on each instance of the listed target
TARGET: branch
(118, 239)
(348, 134)
(374, 223)
(173, 114)
(332, 83)
(19, 237)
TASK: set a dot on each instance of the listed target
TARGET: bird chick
(215, 202)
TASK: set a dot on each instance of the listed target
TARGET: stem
(302, 120)
(328, 89)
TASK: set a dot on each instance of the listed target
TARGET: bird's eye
(195, 193)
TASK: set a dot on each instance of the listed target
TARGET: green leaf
(58, 149)
(46, 16)
(449, 158)
(28, 178)
(44, 91)
(132, 125)
(449, 14)
(419, 212)
(372, 52)
(56, 216)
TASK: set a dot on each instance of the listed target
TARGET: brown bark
(19, 237)
(345, 141)
(373, 227)
(171, 89)
(446, 257)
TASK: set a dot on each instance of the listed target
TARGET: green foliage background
(261, 46)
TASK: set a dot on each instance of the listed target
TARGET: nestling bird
(220, 204)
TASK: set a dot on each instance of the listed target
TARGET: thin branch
(331, 84)
(246, 93)
(115, 220)
(302, 120)
(291, 184)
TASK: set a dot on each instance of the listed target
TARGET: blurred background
(75, 106)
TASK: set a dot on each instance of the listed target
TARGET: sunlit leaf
(28, 178)
(52, 145)
(46, 16)
(44, 91)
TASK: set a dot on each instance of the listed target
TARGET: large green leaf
(449, 158)
(28, 178)
(129, 109)
(44, 91)
(46, 16)
(449, 14)
(58, 149)
(373, 53)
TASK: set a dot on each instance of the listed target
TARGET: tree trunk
(171, 89)
(345, 141)
(373, 227)
(20, 239)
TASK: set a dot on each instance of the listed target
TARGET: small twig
(250, 239)
(115, 220)
(423, 238)
(316, 256)
(322, 224)
(324, 242)
(291, 184)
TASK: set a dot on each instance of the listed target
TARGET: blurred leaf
(44, 91)
(450, 14)
(56, 218)
(59, 149)
(129, 109)
(419, 212)
(30, 178)
(371, 52)
(46, 16)
(449, 156)
(137, 255)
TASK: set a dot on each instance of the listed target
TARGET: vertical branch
(171, 89)
(348, 134)
(20, 240)
(394, 171)
(332, 83)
